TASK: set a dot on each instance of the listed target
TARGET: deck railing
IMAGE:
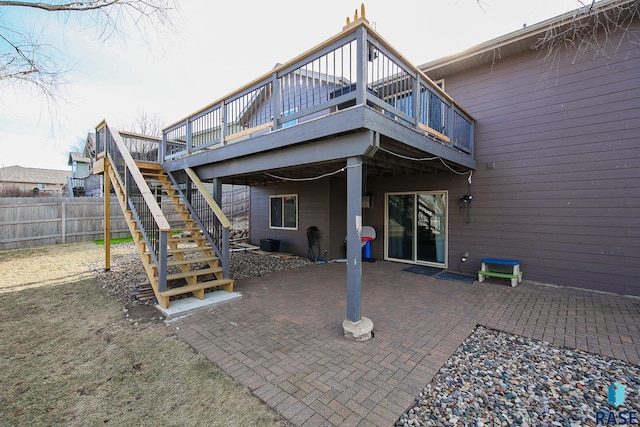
(141, 147)
(356, 67)
(151, 221)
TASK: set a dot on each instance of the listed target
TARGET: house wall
(558, 178)
(80, 169)
(313, 209)
(338, 218)
(455, 186)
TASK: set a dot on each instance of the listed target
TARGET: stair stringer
(138, 239)
(195, 283)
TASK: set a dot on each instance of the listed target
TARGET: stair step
(194, 273)
(149, 172)
(191, 260)
(195, 287)
(192, 231)
(176, 221)
(175, 212)
(191, 249)
(186, 239)
(178, 208)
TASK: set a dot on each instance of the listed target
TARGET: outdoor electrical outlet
(464, 256)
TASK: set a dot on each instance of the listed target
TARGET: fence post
(63, 217)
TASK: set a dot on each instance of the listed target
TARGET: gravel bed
(127, 272)
(499, 379)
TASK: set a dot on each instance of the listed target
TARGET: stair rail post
(162, 149)
(189, 137)
(226, 253)
(162, 261)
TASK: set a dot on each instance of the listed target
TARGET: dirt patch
(143, 314)
(50, 265)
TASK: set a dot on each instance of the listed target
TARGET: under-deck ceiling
(385, 162)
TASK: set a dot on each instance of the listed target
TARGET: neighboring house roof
(78, 157)
(33, 175)
(514, 42)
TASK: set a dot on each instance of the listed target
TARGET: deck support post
(217, 191)
(356, 327)
(224, 248)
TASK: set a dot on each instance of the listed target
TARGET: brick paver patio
(284, 340)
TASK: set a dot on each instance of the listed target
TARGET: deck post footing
(358, 331)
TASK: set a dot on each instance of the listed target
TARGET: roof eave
(509, 44)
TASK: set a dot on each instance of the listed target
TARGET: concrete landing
(188, 305)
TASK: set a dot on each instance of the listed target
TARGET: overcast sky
(215, 49)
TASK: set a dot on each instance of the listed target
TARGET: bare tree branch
(145, 124)
(590, 29)
(50, 7)
(25, 60)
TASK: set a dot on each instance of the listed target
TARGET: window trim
(414, 260)
(284, 196)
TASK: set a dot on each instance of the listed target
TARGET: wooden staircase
(192, 266)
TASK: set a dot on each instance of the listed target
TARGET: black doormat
(457, 277)
(421, 269)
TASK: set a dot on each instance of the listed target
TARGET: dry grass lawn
(68, 356)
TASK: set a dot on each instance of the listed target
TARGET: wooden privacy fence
(37, 221)
(235, 205)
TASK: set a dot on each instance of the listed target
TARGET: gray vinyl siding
(313, 209)
(558, 178)
(338, 217)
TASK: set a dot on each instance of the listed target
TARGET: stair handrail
(224, 221)
(145, 191)
(158, 249)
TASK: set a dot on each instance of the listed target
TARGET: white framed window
(283, 211)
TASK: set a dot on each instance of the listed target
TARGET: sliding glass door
(416, 227)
